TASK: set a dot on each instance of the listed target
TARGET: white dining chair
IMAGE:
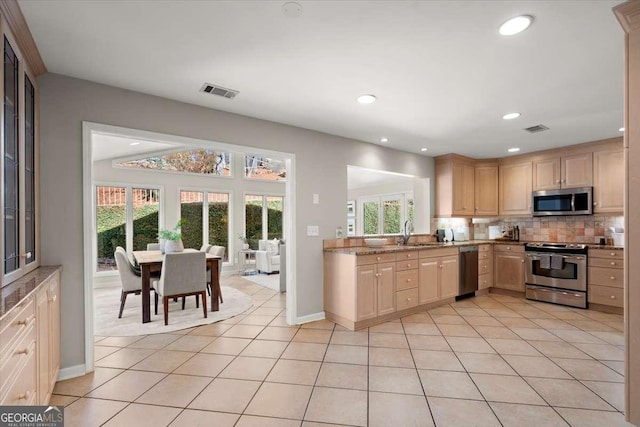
(183, 274)
(129, 277)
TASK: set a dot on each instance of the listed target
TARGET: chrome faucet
(408, 228)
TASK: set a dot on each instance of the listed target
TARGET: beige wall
(321, 167)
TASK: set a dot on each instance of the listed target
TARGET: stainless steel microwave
(568, 201)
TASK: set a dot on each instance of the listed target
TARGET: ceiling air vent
(218, 90)
(536, 128)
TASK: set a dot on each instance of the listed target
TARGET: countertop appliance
(468, 270)
(556, 273)
(567, 201)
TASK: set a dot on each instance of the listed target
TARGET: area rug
(271, 281)
(107, 304)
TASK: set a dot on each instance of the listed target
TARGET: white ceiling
(442, 74)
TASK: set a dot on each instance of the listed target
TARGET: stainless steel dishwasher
(468, 270)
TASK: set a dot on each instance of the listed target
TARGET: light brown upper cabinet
(608, 181)
(455, 176)
(515, 188)
(563, 172)
(486, 190)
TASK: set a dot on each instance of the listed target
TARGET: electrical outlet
(313, 230)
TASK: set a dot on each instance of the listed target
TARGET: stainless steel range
(556, 273)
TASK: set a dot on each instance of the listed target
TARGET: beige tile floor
(487, 361)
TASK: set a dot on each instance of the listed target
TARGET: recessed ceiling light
(366, 99)
(134, 143)
(511, 116)
(383, 139)
(515, 25)
(423, 149)
(621, 129)
(513, 150)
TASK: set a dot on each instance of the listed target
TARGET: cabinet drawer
(484, 248)
(375, 258)
(485, 255)
(407, 265)
(15, 323)
(485, 266)
(606, 276)
(407, 255)
(606, 253)
(509, 248)
(606, 262)
(606, 295)
(23, 390)
(407, 298)
(18, 354)
(485, 280)
(434, 253)
(407, 279)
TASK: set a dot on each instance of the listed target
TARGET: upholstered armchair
(268, 256)
(183, 274)
(129, 277)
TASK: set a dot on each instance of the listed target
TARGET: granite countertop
(365, 250)
(12, 294)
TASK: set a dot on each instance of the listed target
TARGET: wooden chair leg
(155, 302)
(165, 302)
(208, 288)
(183, 303)
(219, 292)
(123, 298)
(204, 303)
(198, 300)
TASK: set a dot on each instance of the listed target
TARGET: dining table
(151, 261)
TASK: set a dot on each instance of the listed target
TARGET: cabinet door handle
(378, 258)
(24, 351)
(26, 321)
(24, 396)
(522, 260)
(613, 254)
(613, 277)
(595, 203)
(53, 298)
(613, 263)
(613, 297)
(408, 280)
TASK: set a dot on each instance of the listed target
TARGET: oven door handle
(537, 256)
(573, 294)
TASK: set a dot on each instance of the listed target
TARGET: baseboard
(310, 318)
(72, 372)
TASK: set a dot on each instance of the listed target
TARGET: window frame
(244, 172)
(128, 217)
(403, 197)
(115, 164)
(265, 212)
(205, 215)
(23, 70)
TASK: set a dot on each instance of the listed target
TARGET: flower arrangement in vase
(171, 240)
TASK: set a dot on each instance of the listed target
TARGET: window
(11, 162)
(260, 167)
(126, 216)
(200, 161)
(19, 181)
(263, 218)
(385, 214)
(205, 216)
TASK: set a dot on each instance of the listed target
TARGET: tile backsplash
(573, 229)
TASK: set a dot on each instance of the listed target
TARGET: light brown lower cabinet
(605, 275)
(30, 345)
(362, 290)
(508, 269)
(438, 275)
(485, 266)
